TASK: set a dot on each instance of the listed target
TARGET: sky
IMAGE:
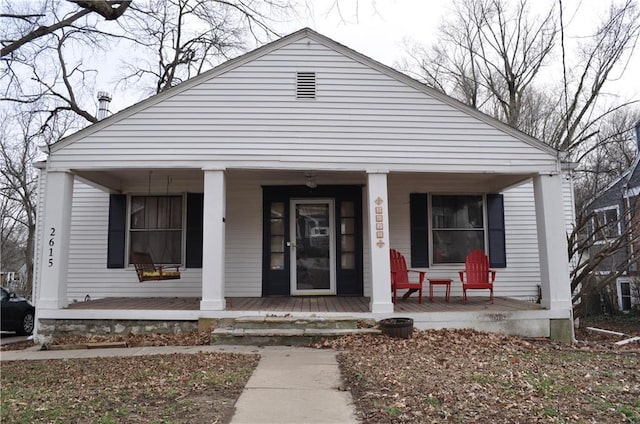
(380, 28)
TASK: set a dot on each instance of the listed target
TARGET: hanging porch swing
(141, 259)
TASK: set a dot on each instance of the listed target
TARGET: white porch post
(378, 207)
(54, 254)
(552, 243)
(213, 241)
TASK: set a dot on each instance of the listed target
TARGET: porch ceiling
(117, 179)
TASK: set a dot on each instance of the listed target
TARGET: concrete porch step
(287, 330)
(280, 336)
(286, 322)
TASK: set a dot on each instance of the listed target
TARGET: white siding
(248, 117)
(243, 266)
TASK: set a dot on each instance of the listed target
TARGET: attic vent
(306, 85)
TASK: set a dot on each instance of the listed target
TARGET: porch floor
(310, 304)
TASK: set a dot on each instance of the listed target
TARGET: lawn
(462, 376)
(177, 388)
(458, 376)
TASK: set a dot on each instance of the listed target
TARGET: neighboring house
(617, 214)
(292, 170)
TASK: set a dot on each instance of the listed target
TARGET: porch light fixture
(311, 180)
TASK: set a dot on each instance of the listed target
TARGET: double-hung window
(446, 227)
(156, 227)
(457, 226)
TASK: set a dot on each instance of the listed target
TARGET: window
(605, 224)
(457, 227)
(156, 227)
(624, 295)
(277, 235)
(348, 234)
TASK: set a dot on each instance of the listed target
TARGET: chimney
(637, 127)
(103, 105)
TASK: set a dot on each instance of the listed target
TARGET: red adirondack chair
(477, 274)
(400, 277)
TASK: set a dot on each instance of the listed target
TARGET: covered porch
(238, 249)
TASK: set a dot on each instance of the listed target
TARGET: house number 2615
(52, 242)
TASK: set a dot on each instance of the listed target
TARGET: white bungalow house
(289, 173)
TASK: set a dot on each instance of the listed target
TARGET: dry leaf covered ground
(437, 376)
(463, 376)
(177, 388)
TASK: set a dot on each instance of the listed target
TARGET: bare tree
(488, 55)
(11, 232)
(491, 56)
(609, 154)
(18, 194)
(178, 39)
(39, 19)
(584, 79)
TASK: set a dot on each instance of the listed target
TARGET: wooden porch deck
(310, 304)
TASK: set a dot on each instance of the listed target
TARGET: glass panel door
(312, 247)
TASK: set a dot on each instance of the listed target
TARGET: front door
(312, 247)
(312, 241)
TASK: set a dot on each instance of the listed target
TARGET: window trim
(603, 210)
(183, 224)
(430, 229)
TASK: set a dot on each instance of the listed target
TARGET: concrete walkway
(290, 385)
(295, 385)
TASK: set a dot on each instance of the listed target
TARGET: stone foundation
(79, 327)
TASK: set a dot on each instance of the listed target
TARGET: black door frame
(276, 282)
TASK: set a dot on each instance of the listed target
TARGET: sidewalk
(295, 385)
(290, 384)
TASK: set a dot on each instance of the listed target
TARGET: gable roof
(616, 189)
(329, 43)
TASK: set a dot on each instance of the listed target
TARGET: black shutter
(495, 213)
(419, 230)
(117, 230)
(194, 230)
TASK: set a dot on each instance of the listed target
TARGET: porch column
(54, 256)
(377, 205)
(213, 238)
(552, 243)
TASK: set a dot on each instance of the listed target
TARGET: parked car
(18, 314)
